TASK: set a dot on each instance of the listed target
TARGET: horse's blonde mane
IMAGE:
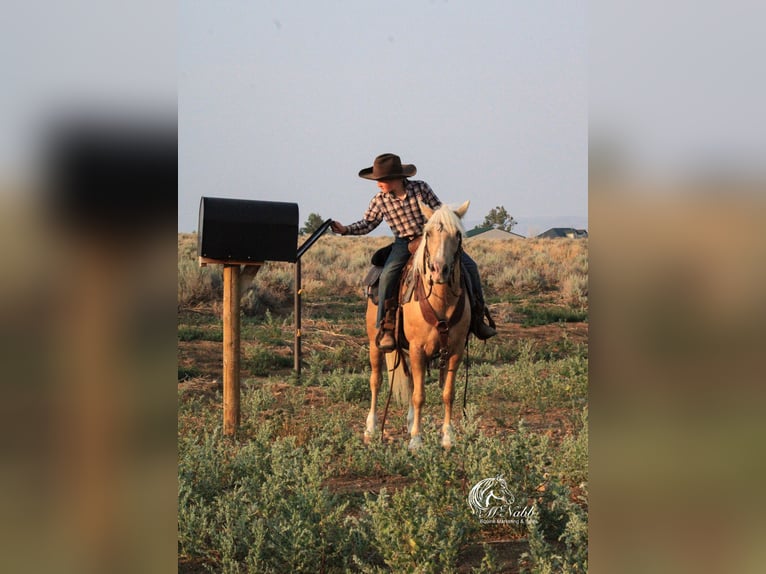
(452, 224)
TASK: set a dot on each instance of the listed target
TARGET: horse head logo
(490, 496)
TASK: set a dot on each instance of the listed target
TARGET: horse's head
(501, 491)
(438, 255)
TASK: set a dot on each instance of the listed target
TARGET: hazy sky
(287, 101)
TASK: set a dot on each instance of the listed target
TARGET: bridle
(455, 265)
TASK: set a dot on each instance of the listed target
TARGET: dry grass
(337, 265)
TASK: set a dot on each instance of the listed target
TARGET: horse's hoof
(371, 428)
(448, 438)
(415, 443)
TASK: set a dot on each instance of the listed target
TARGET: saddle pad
(371, 283)
(407, 284)
(380, 256)
(372, 276)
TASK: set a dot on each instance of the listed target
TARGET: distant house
(492, 233)
(559, 232)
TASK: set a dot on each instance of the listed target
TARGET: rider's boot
(479, 328)
(385, 340)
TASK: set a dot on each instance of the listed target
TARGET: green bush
(198, 284)
(261, 361)
(573, 459)
(261, 507)
(544, 315)
(423, 527)
(558, 541)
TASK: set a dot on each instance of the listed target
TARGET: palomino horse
(436, 321)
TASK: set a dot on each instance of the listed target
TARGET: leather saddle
(372, 279)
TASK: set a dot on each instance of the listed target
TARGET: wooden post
(297, 313)
(230, 349)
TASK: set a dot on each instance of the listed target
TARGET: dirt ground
(207, 356)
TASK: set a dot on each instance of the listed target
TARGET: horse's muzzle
(440, 273)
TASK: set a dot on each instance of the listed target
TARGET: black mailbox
(244, 230)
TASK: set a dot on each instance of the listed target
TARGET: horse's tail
(401, 389)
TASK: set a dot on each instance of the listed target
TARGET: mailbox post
(240, 234)
(231, 331)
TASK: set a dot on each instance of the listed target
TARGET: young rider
(397, 203)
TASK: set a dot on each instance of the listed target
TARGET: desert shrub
(336, 266)
(573, 459)
(185, 373)
(256, 396)
(190, 333)
(347, 387)
(261, 361)
(269, 330)
(420, 528)
(544, 315)
(271, 289)
(198, 284)
(414, 532)
(558, 541)
(377, 458)
(574, 289)
(541, 384)
(262, 508)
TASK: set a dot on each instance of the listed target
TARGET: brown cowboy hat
(388, 166)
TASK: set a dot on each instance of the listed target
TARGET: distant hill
(534, 225)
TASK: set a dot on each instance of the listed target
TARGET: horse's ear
(460, 211)
(425, 210)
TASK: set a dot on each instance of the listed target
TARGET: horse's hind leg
(417, 364)
(376, 360)
(376, 366)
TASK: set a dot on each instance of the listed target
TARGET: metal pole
(301, 250)
(297, 312)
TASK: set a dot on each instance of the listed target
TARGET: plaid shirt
(402, 215)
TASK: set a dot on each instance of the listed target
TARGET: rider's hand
(339, 228)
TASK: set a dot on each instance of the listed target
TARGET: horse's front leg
(448, 397)
(411, 409)
(418, 367)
